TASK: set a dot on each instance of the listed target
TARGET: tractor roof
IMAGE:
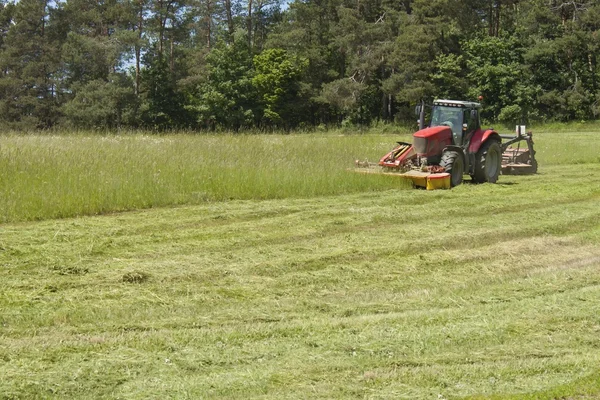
(457, 103)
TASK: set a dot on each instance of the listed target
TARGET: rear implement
(518, 160)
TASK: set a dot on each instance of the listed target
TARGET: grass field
(61, 176)
(335, 289)
(71, 175)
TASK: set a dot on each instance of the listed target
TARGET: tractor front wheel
(488, 163)
(452, 162)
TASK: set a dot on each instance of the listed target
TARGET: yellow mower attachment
(428, 180)
(423, 179)
(438, 181)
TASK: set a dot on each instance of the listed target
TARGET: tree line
(264, 64)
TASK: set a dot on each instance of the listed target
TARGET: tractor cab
(461, 116)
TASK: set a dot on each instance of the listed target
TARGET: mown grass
(69, 175)
(565, 148)
(484, 291)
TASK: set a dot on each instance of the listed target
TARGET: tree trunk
(163, 27)
(249, 24)
(497, 18)
(137, 69)
(259, 35)
(160, 31)
(44, 19)
(171, 58)
(208, 22)
(491, 19)
(592, 68)
(390, 101)
(140, 27)
(383, 94)
(230, 25)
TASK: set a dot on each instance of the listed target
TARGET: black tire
(488, 162)
(452, 162)
(534, 165)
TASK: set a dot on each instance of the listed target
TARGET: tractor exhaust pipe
(420, 111)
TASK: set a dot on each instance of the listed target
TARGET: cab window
(471, 122)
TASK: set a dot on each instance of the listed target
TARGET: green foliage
(103, 104)
(496, 72)
(87, 58)
(210, 64)
(510, 115)
(562, 59)
(228, 98)
(353, 101)
(29, 61)
(6, 16)
(343, 95)
(277, 80)
(449, 77)
(162, 104)
(413, 62)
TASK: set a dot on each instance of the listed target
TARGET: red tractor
(454, 143)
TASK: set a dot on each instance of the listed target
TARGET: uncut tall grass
(61, 176)
(58, 176)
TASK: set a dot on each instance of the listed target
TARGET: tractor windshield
(450, 116)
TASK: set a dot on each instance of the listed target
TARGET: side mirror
(474, 114)
(418, 110)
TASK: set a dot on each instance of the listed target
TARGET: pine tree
(29, 62)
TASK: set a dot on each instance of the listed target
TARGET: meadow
(259, 267)
(57, 176)
(69, 175)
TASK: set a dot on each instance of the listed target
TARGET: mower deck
(518, 161)
(427, 180)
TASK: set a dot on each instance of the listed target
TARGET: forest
(235, 65)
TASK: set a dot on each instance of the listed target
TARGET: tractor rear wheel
(488, 162)
(452, 162)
